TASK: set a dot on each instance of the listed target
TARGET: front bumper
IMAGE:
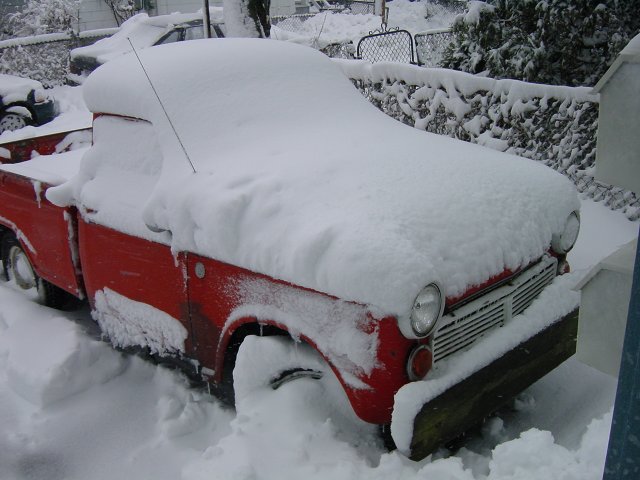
(455, 410)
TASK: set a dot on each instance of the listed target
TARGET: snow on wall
(551, 124)
(129, 323)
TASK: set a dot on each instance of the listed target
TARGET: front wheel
(17, 269)
(283, 381)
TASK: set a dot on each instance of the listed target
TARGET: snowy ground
(73, 408)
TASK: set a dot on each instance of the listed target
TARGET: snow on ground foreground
(73, 408)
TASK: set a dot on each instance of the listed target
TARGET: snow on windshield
(301, 178)
(142, 30)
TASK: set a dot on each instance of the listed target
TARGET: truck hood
(307, 182)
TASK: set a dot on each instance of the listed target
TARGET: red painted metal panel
(213, 297)
(21, 150)
(46, 228)
(136, 268)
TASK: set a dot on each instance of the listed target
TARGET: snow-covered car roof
(16, 89)
(142, 30)
(297, 176)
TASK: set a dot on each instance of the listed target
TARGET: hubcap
(11, 122)
(20, 269)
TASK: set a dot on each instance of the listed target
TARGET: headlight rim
(557, 239)
(406, 323)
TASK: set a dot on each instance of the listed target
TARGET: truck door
(136, 285)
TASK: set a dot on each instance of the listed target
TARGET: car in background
(24, 102)
(143, 32)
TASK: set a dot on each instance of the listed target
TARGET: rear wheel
(17, 268)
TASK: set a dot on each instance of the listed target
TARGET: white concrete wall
(618, 154)
(164, 7)
(282, 7)
(603, 310)
(95, 14)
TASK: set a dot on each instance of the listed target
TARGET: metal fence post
(623, 454)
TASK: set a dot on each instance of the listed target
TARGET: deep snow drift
(73, 408)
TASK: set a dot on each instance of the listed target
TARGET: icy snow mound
(307, 182)
(48, 359)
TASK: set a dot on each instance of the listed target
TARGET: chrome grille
(462, 327)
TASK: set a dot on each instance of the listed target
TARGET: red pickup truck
(233, 200)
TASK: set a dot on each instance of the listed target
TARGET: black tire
(17, 267)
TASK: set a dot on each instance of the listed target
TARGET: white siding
(617, 157)
(164, 7)
(95, 14)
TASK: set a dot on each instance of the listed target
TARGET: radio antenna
(175, 132)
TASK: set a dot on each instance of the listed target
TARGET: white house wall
(95, 14)
(618, 154)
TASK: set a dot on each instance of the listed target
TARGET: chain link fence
(45, 57)
(292, 23)
(359, 7)
(389, 46)
(430, 46)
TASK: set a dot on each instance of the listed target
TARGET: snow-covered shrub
(558, 42)
(551, 124)
(45, 16)
(46, 62)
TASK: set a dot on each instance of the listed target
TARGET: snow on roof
(15, 89)
(142, 30)
(630, 53)
(299, 177)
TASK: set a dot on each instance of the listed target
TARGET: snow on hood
(301, 178)
(16, 89)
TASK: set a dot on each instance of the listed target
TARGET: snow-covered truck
(242, 203)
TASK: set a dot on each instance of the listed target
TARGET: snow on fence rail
(551, 124)
(45, 57)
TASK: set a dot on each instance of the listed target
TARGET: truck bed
(47, 232)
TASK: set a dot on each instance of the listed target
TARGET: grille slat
(470, 328)
(522, 299)
(468, 340)
(468, 322)
(463, 327)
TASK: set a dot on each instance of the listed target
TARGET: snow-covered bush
(558, 42)
(45, 16)
(48, 63)
(551, 124)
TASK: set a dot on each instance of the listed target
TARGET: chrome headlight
(425, 313)
(563, 242)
